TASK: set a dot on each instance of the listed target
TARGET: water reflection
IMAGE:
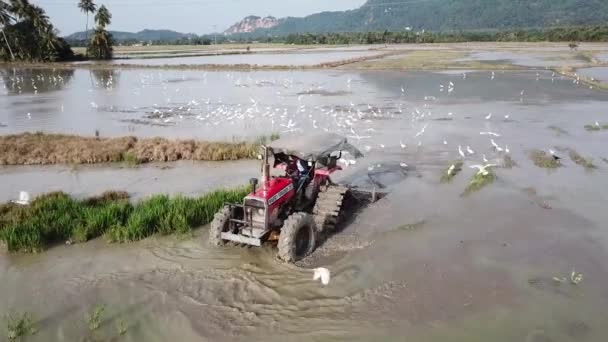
(34, 81)
(105, 78)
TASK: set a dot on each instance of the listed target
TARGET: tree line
(28, 34)
(596, 33)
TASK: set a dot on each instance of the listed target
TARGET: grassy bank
(46, 149)
(57, 217)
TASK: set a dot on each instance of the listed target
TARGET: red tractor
(292, 208)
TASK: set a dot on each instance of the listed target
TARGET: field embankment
(48, 149)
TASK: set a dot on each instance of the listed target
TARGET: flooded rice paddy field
(424, 263)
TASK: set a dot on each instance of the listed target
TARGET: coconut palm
(103, 17)
(87, 6)
(101, 44)
(5, 20)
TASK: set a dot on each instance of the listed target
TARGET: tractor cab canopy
(315, 147)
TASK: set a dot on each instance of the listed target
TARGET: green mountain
(145, 35)
(449, 15)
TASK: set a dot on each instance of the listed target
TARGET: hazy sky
(196, 16)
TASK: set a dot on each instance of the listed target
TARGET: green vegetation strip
(544, 160)
(57, 217)
(479, 181)
(582, 161)
(45, 149)
(451, 171)
(595, 127)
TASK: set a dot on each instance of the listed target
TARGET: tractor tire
(218, 225)
(328, 208)
(298, 237)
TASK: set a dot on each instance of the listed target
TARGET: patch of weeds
(558, 130)
(479, 181)
(605, 160)
(508, 162)
(94, 318)
(451, 171)
(19, 326)
(595, 128)
(130, 159)
(275, 136)
(265, 139)
(582, 161)
(57, 217)
(121, 327)
(544, 160)
(413, 226)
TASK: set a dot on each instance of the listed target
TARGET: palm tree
(101, 44)
(87, 6)
(103, 17)
(5, 20)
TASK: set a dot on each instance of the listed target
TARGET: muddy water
(425, 263)
(598, 73)
(186, 178)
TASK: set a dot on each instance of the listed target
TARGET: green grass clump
(445, 177)
(412, 226)
(544, 160)
(558, 130)
(57, 217)
(19, 326)
(605, 160)
(479, 181)
(582, 161)
(595, 128)
(94, 318)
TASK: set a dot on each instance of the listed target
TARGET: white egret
(485, 160)
(402, 144)
(469, 150)
(483, 169)
(461, 152)
(489, 133)
(451, 169)
(489, 116)
(321, 273)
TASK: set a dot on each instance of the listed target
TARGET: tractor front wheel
(218, 225)
(298, 237)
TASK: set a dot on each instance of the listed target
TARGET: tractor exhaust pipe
(265, 167)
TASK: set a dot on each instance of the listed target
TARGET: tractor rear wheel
(298, 237)
(218, 225)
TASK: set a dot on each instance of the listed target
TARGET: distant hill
(145, 35)
(252, 23)
(448, 15)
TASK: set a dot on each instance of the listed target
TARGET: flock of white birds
(355, 120)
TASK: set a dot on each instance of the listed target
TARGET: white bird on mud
(489, 116)
(485, 160)
(556, 157)
(498, 148)
(483, 169)
(507, 117)
(445, 142)
(461, 152)
(403, 165)
(402, 144)
(490, 133)
(323, 274)
(597, 124)
(493, 75)
(469, 150)
(451, 169)
(24, 198)
(507, 149)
